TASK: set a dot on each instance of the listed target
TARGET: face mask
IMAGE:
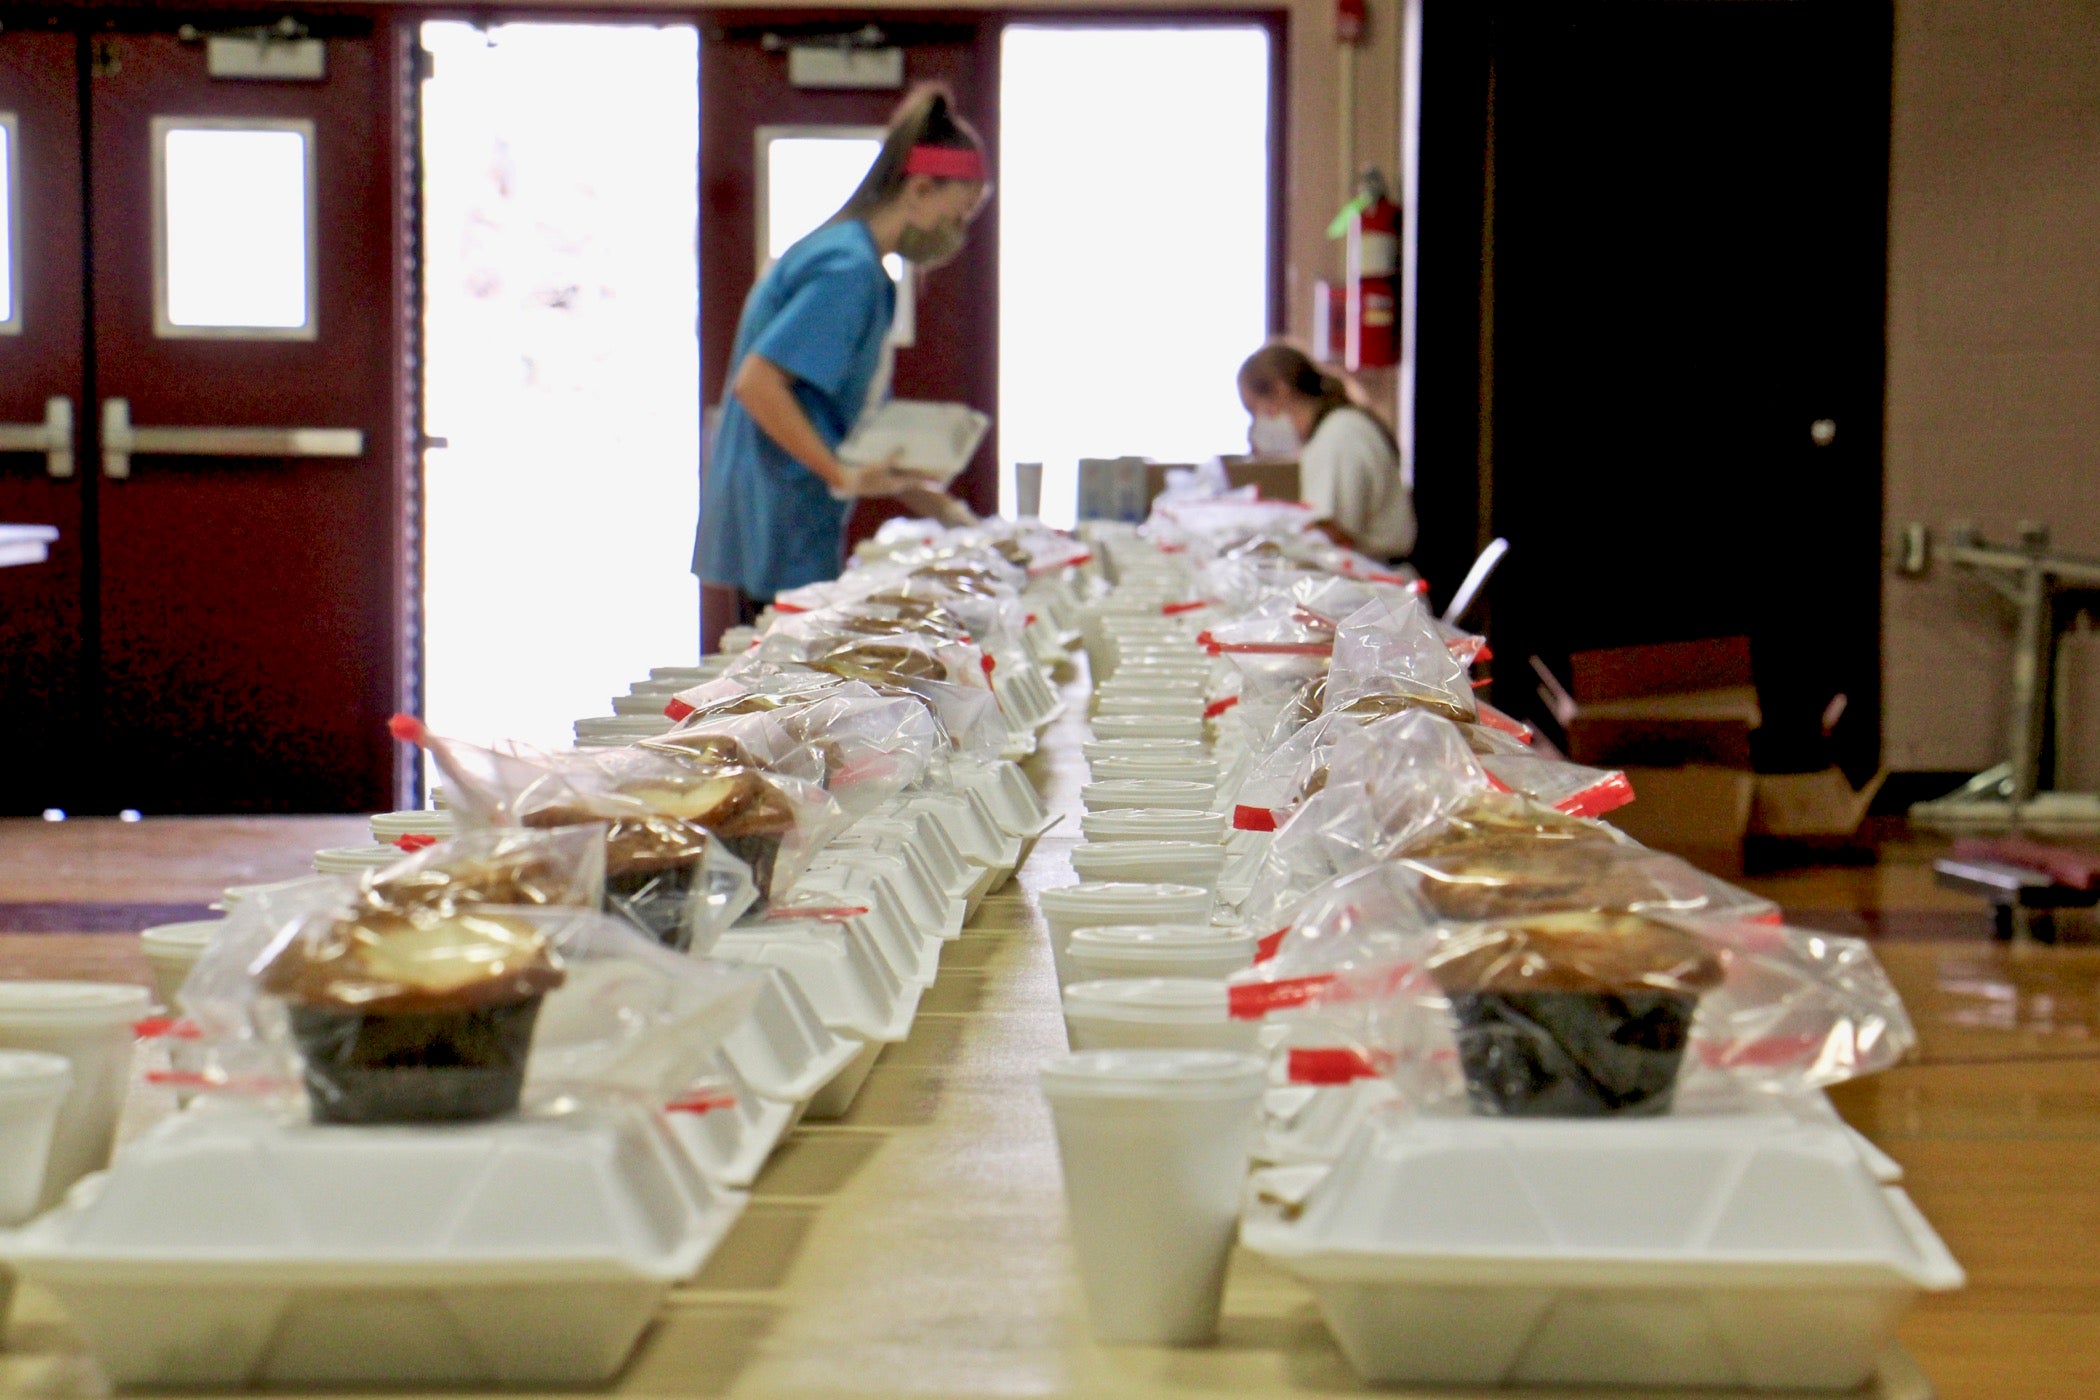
(930, 247)
(1274, 436)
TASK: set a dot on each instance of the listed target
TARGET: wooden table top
(918, 1248)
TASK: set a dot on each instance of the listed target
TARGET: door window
(10, 238)
(233, 204)
(805, 173)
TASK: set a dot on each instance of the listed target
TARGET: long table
(917, 1248)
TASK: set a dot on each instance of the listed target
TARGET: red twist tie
(677, 710)
(415, 841)
(1245, 818)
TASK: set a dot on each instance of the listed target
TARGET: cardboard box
(1698, 811)
(1272, 481)
(1678, 719)
(1663, 706)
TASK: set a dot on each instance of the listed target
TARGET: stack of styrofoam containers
(857, 994)
(615, 731)
(1756, 1248)
(232, 1247)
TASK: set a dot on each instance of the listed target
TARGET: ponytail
(1281, 365)
(926, 117)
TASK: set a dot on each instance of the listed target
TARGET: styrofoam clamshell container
(922, 831)
(1305, 1123)
(1749, 1249)
(1155, 1013)
(1153, 824)
(1168, 768)
(737, 1127)
(643, 705)
(941, 867)
(1101, 903)
(232, 1247)
(927, 909)
(852, 989)
(1147, 727)
(1169, 862)
(1013, 801)
(1094, 750)
(784, 1049)
(1158, 950)
(838, 886)
(355, 860)
(976, 833)
(389, 827)
(1134, 794)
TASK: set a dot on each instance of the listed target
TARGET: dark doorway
(1683, 261)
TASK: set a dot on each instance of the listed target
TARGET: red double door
(209, 292)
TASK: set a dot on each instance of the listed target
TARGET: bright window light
(236, 250)
(1133, 244)
(562, 367)
(807, 178)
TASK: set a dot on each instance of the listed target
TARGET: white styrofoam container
(1751, 1249)
(728, 1127)
(617, 731)
(389, 827)
(947, 909)
(783, 1048)
(926, 908)
(976, 834)
(1014, 803)
(851, 987)
(1171, 766)
(1100, 903)
(232, 1247)
(833, 889)
(1094, 750)
(923, 831)
(1153, 824)
(355, 860)
(1146, 794)
(1154, 950)
(1172, 862)
(1155, 1013)
(1147, 727)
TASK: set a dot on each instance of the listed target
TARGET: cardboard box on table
(1677, 718)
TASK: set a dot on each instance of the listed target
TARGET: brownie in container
(406, 1019)
(1573, 1015)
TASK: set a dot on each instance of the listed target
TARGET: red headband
(945, 163)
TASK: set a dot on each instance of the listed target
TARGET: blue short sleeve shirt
(767, 523)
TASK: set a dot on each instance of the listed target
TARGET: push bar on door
(121, 441)
(53, 437)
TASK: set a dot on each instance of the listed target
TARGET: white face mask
(1274, 435)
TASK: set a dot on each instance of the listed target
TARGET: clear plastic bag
(868, 747)
(1390, 784)
(1578, 1013)
(1390, 656)
(416, 1015)
(672, 824)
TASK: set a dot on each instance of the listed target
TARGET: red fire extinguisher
(1373, 327)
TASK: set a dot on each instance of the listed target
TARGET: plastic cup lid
(1157, 939)
(1156, 823)
(342, 860)
(32, 1073)
(1140, 747)
(234, 894)
(1181, 1000)
(1155, 1074)
(1149, 787)
(187, 938)
(1164, 726)
(1111, 900)
(99, 1003)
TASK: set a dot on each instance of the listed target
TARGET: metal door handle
(121, 441)
(53, 437)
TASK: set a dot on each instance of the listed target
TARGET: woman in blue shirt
(808, 351)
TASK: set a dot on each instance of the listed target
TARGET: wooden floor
(917, 1248)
